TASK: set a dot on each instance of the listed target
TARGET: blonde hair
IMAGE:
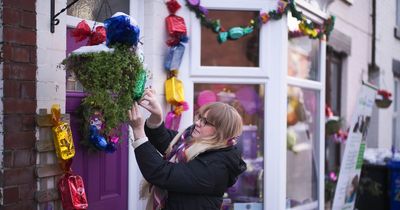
(226, 120)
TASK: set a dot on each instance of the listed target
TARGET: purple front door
(105, 175)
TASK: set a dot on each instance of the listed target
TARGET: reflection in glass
(240, 52)
(248, 99)
(72, 83)
(303, 55)
(302, 139)
(97, 10)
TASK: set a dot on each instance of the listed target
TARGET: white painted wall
(354, 21)
(50, 53)
(388, 48)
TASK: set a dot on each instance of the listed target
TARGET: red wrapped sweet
(176, 26)
(83, 31)
(173, 6)
(72, 192)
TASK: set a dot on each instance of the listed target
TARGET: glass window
(242, 52)
(248, 99)
(72, 83)
(333, 81)
(396, 114)
(97, 10)
(333, 99)
(303, 55)
(302, 140)
(398, 13)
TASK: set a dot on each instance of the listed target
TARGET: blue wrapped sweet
(96, 139)
(121, 28)
(174, 57)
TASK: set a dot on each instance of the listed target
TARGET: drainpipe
(373, 69)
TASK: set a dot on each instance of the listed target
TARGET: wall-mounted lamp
(53, 17)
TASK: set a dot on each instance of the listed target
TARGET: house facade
(256, 74)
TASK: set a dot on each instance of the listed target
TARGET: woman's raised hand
(150, 103)
(136, 121)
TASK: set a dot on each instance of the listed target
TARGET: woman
(197, 165)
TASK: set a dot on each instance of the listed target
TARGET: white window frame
(271, 72)
(319, 86)
(136, 8)
(248, 5)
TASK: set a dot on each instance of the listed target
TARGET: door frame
(136, 8)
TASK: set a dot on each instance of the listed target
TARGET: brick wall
(18, 180)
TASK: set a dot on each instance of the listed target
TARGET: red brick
(7, 52)
(28, 89)
(28, 123)
(19, 140)
(12, 105)
(10, 3)
(17, 176)
(23, 158)
(11, 195)
(12, 88)
(27, 191)
(12, 123)
(19, 71)
(28, 5)
(28, 20)
(8, 159)
(33, 56)
(19, 35)
(11, 16)
(22, 205)
(21, 54)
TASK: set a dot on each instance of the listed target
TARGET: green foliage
(113, 80)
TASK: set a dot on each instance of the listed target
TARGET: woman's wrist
(137, 134)
(154, 121)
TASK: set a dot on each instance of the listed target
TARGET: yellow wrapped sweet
(174, 91)
(63, 141)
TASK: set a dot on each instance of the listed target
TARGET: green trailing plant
(112, 80)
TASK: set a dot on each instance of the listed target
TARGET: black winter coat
(196, 185)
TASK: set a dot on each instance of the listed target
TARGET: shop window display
(248, 99)
(302, 137)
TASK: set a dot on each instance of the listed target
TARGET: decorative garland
(176, 29)
(306, 27)
(113, 76)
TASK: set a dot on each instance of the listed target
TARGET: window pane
(240, 52)
(303, 59)
(248, 99)
(396, 95)
(72, 83)
(334, 80)
(97, 10)
(302, 141)
(398, 13)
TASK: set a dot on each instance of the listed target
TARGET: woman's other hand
(136, 121)
(150, 103)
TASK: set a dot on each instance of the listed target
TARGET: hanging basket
(383, 103)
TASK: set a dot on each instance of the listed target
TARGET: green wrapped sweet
(222, 37)
(236, 32)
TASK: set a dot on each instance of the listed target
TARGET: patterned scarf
(175, 154)
(181, 150)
